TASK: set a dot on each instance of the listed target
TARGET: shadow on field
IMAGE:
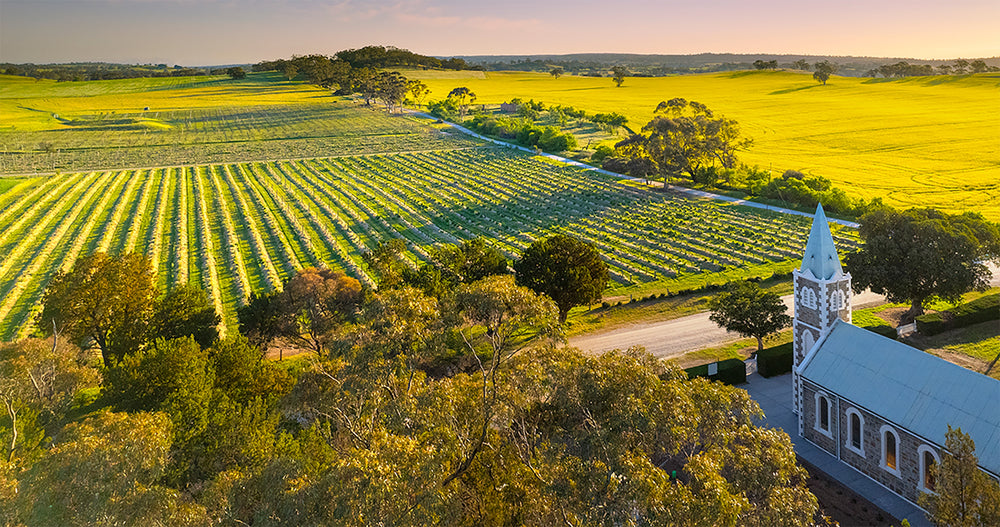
(791, 90)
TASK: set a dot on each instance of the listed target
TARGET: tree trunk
(760, 347)
(9, 403)
(916, 309)
(563, 313)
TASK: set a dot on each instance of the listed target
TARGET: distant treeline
(96, 71)
(599, 64)
(373, 57)
(905, 69)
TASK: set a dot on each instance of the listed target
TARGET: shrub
(776, 360)
(601, 153)
(885, 331)
(982, 309)
(731, 372)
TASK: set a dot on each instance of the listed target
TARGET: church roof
(913, 389)
(821, 257)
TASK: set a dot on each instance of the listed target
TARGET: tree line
(97, 71)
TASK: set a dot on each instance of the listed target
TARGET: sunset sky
(209, 32)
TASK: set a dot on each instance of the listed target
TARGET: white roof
(916, 390)
(821, 258)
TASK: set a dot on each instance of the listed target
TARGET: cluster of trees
(905, 69)
(389, 87)
(687, 139)
(97, 71)
(373, 429)
(524, 131)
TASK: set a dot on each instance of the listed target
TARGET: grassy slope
(924, 141)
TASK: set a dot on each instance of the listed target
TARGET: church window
(823, 414)
(809, 298)
(890, 450)
(856, 432)
(928, 459)
(836, 301)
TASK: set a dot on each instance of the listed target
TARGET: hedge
(885, 331)
(983, 309)
(775, 361)
(731, 371)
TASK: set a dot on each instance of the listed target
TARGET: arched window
(808, 341)
(856, 432)
(836, 301)
(823, 414)
(928, 459)
(890, 449)
(809, 298)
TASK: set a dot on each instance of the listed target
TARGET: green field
(920, 141)
(242, 227)
(51, 126)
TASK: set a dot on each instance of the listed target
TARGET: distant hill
(583, 63)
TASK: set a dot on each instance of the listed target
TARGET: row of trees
(905, 69)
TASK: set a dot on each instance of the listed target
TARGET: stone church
(876, 404)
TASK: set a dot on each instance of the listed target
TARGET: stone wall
(908, 462)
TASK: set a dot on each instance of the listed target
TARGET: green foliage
(618, 74)
(236, 72)
(823, 70)
(446, 109)
(964, 495)
(259, 319)
(568, 270)
(186, 312)
(920, 254)
(688, 139)
(105, 471)
(731, 372)
(601, 153)
(776, 360)
(172, 376)
(524, 131)
(750, 311)
(982, 309)
(104, 298)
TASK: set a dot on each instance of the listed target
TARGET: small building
(874, 403)
(509, 107)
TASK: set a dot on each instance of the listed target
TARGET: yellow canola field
(922, 141)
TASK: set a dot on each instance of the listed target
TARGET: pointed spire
(821, 258)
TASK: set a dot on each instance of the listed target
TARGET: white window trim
(886, 429)
(923, 467)
(829, 414)
(850, 432)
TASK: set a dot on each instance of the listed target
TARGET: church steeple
(822, 296)
(821, 258)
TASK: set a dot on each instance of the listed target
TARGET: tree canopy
(568, 270)
(915, 255)
(687, 139)
(823, 70)
(963, 496)
(103, 298)
(750, 311)
(618, 74)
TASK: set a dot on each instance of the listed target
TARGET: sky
(215, 32)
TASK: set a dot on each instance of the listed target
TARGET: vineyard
(241, 227)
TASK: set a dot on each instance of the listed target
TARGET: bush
(885, 331)
(776, 360)
(982, 309)
(731, 372)
(601, 153)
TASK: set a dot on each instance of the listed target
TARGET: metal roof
(821, 257)
(913, 389)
